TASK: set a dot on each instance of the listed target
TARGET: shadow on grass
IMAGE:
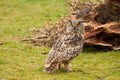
(94, 50)
(62, 71)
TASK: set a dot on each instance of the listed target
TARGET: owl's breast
(73, 40)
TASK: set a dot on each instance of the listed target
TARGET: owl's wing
(54, 52)
(59, 48)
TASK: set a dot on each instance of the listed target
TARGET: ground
(23, 61)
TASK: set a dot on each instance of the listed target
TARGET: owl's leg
(59, 66)
(67, 68)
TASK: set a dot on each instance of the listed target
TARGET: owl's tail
(49, 68)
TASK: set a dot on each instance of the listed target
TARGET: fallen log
(107, 36)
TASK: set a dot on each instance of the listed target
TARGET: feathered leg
(59, 66)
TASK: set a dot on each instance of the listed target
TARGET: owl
(67, 47)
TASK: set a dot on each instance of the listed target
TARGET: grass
(23, 61)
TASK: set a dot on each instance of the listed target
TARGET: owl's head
(75, 26)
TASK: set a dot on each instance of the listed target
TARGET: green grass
(23, 61)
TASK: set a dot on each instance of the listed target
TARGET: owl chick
(68, 46)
